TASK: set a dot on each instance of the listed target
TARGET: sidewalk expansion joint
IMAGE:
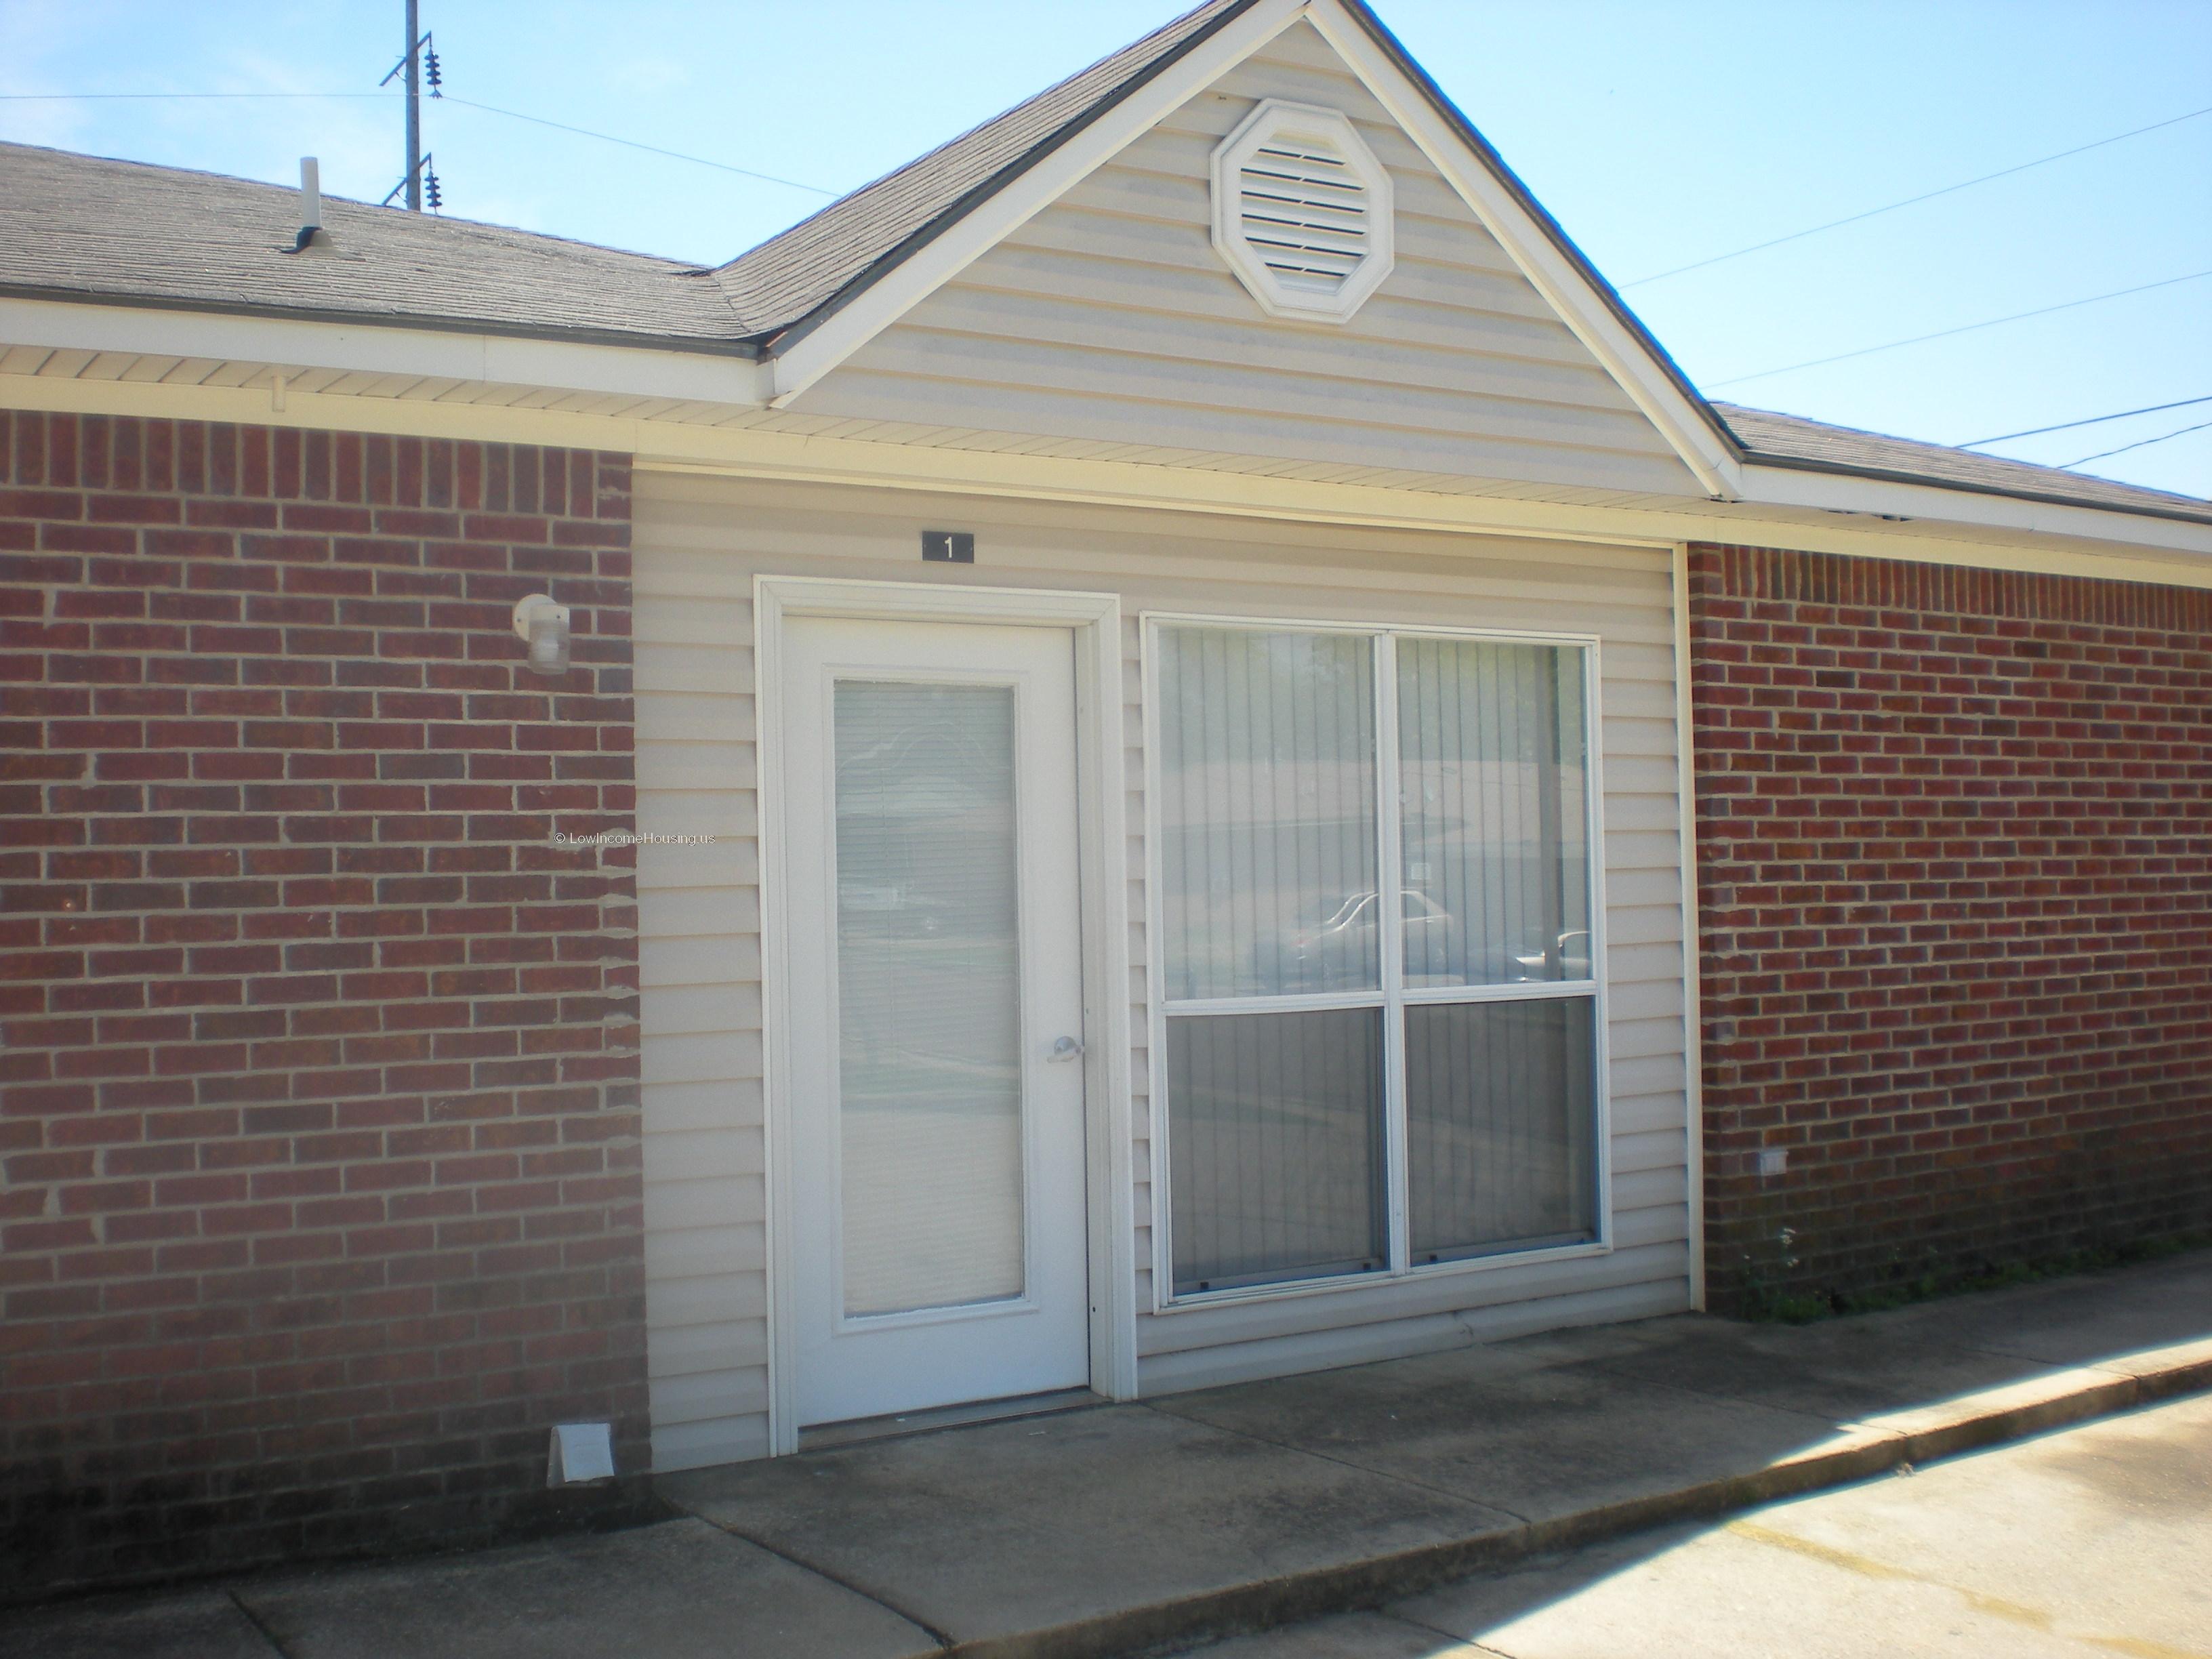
(259, 1624)
(943, 1639)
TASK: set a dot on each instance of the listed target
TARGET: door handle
(1066, 1047)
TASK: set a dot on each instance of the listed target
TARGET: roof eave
(1757, 458)
(745, 348)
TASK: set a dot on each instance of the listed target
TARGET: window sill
(1369, 1284)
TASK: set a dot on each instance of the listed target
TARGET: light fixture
(545, 626)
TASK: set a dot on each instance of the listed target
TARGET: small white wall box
(1773, 1160)
(581, 1451)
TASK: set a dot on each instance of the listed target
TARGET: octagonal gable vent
(1302, 211)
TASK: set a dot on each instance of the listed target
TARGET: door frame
(1094, 621)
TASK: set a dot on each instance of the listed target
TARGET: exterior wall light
(545, 626)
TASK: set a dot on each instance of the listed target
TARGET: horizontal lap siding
(699, 967)
(700, 543)
(1109, 317)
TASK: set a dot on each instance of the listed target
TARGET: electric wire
(2093, 420)
(446, 98)
(1964, 328)
(632, 143)
(1926, 195)
(2145, 444)
(84, 97)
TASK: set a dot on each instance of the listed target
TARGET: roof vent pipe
(311, 205)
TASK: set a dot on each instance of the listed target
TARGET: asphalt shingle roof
(77, 226)
(786, 277)
(81, 225)
(1792, 440)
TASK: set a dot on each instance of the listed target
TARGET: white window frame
(1277, 118)
(1400, 1269)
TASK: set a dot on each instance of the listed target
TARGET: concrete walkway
(1105, 1530)
(2087, 1542)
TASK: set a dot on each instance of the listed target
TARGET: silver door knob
(1066, 1047)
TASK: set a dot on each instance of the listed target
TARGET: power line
(632, 143)
(1964, 328)
(2093, 420)
(488, 109)
(85, 97)
(2145, 444)
(1927, 196)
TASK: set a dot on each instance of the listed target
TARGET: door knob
(1066, 1047)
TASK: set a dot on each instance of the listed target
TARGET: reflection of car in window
(1343, 937)
(1567, 957)
(1348, 934)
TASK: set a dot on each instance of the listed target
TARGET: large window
(1378, 982)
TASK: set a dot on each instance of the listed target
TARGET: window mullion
(1390, 906)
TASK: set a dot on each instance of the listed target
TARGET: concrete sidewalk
(1113, 1529)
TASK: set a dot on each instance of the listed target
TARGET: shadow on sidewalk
(1112, 1529)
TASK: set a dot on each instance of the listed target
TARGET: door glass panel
(1500, 1126)
(1275, 1125)
(1494, 840)
(1267, 843)
(928, 1004)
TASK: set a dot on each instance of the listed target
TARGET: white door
(938, 1231)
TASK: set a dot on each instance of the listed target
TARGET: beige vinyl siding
(699, 970)
(1109, 317)
(700, 542)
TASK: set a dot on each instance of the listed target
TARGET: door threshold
(823, 1436)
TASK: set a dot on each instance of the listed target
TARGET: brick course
(1955, 867)
(318, 1091)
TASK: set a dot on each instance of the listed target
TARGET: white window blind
(1493, 814)
(1267, 751)
(928, 1018)
(1373, 852)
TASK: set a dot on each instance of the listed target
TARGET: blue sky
(1657, 134)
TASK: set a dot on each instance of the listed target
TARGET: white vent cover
(1302, 211)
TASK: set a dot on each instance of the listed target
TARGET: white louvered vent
(1302, 211)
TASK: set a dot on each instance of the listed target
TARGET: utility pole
(414, 111)
(421, 55)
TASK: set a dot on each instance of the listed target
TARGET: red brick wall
(1955, 869)
(318, 1096)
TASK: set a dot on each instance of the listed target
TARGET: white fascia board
(991, 221)
(1771, 485)
(1711, 460)
(289, 345)
(2059, 540)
